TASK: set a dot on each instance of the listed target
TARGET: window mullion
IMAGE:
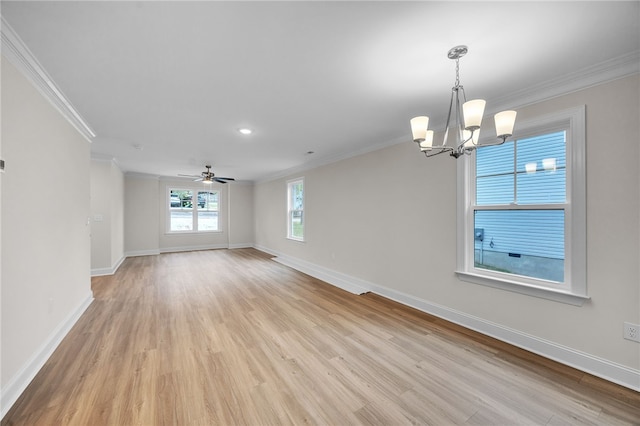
(556, 206)
(194, 206)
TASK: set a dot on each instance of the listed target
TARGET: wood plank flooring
(229, 337)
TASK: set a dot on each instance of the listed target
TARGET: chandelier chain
(457, 72)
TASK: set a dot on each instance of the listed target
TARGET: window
(522, 211)
(185, 215)
(295, 210)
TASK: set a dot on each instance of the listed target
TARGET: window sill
(529, 290)
(300, 240)
(191, 232)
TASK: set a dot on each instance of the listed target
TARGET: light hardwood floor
(226, 337)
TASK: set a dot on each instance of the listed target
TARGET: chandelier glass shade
(464, 120)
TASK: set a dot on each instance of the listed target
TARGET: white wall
(107, 217)
(387, 219)
(45, 233)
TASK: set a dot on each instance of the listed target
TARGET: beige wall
(176, 242)
(241, 229)
(389, 217)
(146, 217)
(107, 217)
(116, 189)
(141, 215)
(45, 230)
(100, 206)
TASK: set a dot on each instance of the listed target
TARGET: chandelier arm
(437, 151)
(459, 124)
(500, 141)
(446, 129)
(464, 141)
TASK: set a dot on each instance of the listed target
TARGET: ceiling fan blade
(224, 178)
(198, 180)
(220, 180)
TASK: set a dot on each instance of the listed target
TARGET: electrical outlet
(632, 332)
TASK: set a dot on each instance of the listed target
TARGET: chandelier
(467, 130)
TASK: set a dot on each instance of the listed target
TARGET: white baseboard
(240, 245)
(108, 271)
(605, 369)
(600, 367)
(193, 248)
(135, 253)
(265, 249)
(338, 279)
(18, 383)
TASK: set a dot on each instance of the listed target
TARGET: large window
(523, 211)
(193, 210)
(295, 209)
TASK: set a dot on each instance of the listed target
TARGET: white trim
(290, 184)
(330, 159)
(19, 382)
(265, 250)
(574, 288)
(193, 248)
(98, 272)
(338, 279)
(195, 209)
(155, 252)
(16, 51)
(239, 245)
(600, 367)
(613, 69)
(529, 290)
(136, 253)
(594, 75)
(106, 159)
(137, 175)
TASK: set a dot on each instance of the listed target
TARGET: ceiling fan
(209, 177)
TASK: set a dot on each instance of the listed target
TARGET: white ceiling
(180, 78)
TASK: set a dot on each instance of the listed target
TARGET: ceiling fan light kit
(466, 121)
(209, 177)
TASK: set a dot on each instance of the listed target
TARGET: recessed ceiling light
(245, 131)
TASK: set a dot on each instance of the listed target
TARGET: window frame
(290, 184)
(194, 209)
(574, 288)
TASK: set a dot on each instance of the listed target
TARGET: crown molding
(330, 159)
(101, 158)
(14, 49)
(138, 175)
(604, 72)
